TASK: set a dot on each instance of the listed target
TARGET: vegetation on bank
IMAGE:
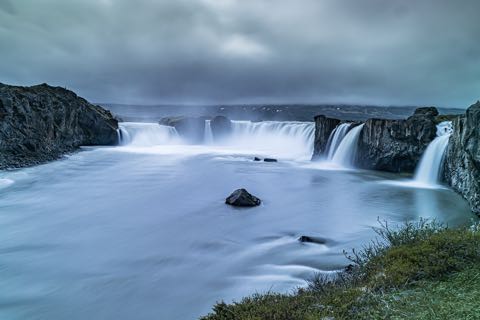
(423, 270)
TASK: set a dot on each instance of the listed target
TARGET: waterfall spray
(336, 138)
(345, 154)
(430, 167)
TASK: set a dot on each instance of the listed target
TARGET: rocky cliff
(323, 128)
(462, 159)
(396, 145)
(41, 123)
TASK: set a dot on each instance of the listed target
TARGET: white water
(208, 135)
(283, 139)
(288, 140)
(147, 134)
(336, 138)
(430, 167)
(347, 149)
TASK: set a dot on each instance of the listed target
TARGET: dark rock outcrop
(41, 123)
(308, 239)
(396, 145)
(221, 127)
(462, 159)
(242, 198)
(270, 160)
(190, 128)
(323, 128)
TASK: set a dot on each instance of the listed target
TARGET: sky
(396, 52)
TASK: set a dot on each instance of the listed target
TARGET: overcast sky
(396, 52)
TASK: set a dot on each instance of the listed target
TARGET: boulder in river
(242, 198)
(309, 239)
(270, 160)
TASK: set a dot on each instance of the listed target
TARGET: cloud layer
(239, 51)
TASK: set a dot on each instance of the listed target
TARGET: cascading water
(346, 151)
(336, 138)
(430, 167)
(287, 139)
(208, 135)
(146, 134)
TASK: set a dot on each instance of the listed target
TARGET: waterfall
(336, 138)
(430, 167)
(208, 135)
(287, 139)
(346, 151)
(146, 134)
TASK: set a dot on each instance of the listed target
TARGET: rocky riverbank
(41, 123)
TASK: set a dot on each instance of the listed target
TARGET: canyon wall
(462, 159)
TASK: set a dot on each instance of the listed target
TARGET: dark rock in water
(462, 159)
(241, 198)
(323, 128)
(257, 159)
(41, 123)
(221, 127)
(396, 145)
(189, 128)
(312, 240)
(270, 160)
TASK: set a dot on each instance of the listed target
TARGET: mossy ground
(420, 271)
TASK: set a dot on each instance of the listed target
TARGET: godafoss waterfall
(139, 229)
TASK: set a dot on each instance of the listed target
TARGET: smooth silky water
(141, 231)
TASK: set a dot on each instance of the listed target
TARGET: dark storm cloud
(146, 51)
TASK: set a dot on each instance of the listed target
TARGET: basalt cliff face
(396, 145)
(41, 123)
(462, 159)
(384, 144)
(323, 128)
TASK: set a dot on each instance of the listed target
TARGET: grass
(422, 270)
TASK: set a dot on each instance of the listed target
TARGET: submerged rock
(270, 160)
(190, 128)
(242, 198)
(221, 127)
(462, 159)
(41, 123)
(312, 240)
(396, 145)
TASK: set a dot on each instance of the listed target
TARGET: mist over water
(141, 231)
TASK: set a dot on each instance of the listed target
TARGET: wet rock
(462, 159)
(41, 123)
(221, 127)
(191, 129)
(257, 159)
(396, 145)
(270, 160)
(308, 239)
(242, 198)
(323, 128)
